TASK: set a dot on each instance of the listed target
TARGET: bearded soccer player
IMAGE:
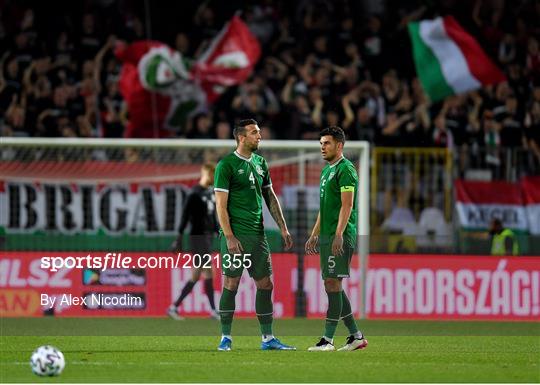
(242, 180)
(335, 231)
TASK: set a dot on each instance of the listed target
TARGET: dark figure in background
(200, 212)
(503, 240)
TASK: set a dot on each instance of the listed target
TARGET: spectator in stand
(10, 81)
(182, 44)
(90, 40)
(511, 131)
(442, 137)
(202, 127)
(507, 49)
(373, 45)
(532, 62)
(223, 130)
(532, 129)
(455, 110)
(368, 103)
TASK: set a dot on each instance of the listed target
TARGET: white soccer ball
(47, 361)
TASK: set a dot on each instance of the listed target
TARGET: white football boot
(322, 346)
(354, 343)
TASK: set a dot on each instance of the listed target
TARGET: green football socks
(226, 310)
(347, 315)
(264, 309)
(335, 302)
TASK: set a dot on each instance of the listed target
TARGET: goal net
(77, 197)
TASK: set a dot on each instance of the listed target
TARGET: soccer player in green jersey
(335, 231)
(242, 180)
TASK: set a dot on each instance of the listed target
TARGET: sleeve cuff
(221, 189)
(267, 186)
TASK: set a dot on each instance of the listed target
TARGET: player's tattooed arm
(274, 207)
(275, 210)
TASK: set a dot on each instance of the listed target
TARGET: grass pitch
(162, 350)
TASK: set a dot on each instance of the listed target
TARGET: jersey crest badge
(259, 170)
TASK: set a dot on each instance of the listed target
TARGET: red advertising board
(398, 287)
(24, 284)
(453, 287)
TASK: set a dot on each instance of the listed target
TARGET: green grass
(398, 352)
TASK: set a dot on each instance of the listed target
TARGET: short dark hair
(335, 132)
(240, 128)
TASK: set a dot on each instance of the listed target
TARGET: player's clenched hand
(287, 239)
(311, 244)
(337, 245)
(234, 246)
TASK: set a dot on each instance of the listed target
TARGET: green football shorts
(255, 257)
(333, 266)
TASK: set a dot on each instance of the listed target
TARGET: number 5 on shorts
(331, 261)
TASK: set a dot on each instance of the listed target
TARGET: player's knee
(332, 285)
(231, 283)
(265, 284)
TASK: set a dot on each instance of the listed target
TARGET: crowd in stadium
(324, 63)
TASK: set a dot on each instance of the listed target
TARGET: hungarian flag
(448, 60)
(531, 192)
(163, 90)
(477, 203)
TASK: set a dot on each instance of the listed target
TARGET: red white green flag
(517, 205)
(163, 90)
(449, 60)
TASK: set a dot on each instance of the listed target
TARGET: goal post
(63, 193)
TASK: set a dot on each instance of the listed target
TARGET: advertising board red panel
(398, 287)
(28, 289)
(453, 287)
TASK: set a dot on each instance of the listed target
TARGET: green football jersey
(244, 180)
(336, 178)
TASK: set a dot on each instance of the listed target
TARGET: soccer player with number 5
(242, 180)
(335, 231)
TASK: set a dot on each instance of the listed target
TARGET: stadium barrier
(419, 177)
